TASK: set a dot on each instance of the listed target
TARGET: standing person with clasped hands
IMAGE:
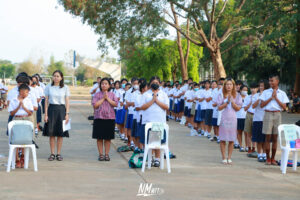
(230, 102)
(104, 118)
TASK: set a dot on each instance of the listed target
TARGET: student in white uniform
(257, 134)
(274, 102)
(215, 94)
(249, 120)
(202, 99)
(21, 108)
(95, 87)
(121, 111)
(155, 106)
(4, 90)
(170, 92)
(241, 116)
(188, 102)
(129, 98)
(209, 107)
(176, 96)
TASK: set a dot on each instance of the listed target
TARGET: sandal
(51, 157)
(101, 157)
(229, 161)
(59, 157)
(107, 158)
(224, 162)
(18, 164)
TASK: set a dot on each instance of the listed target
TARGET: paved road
(196, 173)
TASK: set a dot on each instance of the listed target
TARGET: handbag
(21, 135)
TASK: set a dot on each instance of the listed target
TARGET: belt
(250, 113)
(272, 111)
(21, 116)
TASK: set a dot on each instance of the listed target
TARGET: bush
(89, 82)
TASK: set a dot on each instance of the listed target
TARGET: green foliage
(53, 66)
(7, 68)
(30, 68)
(89, 82)
(160, 58)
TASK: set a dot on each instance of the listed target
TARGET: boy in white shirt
(273, 101)
(249, 120)
(209, 107)
(21, 108)
(4, 91)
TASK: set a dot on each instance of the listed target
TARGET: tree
(159, 57)
(7, 69)
(59, 65)
(121, 20)
(30, 68)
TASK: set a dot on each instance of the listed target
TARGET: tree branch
(221, 11)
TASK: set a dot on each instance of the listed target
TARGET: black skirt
(104, 129)
(54, 127)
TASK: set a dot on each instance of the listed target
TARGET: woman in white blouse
(56, 110)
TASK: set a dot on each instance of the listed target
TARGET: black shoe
(156, 163)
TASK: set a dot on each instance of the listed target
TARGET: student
(129, 98)
(273, 100)
(249, 121)
(21, 108)
(155, 106)
(95, 87)
(230, 102)
(104, 118)
(121, 111)
(127, 90)
(140, 113)
(170, 92)
(194, 129)
(39, 94)
(241, 116)
(209, 107)
(202, 95)
(42, 87)
(183, 90)
(215, 94)
(257, 136)
(4, 91)
(119, 94)
(188, 102)
(176, 96)
(57, 109)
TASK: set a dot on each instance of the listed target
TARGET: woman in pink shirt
(104, 118)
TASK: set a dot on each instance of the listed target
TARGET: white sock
(264, 155)
(157, 159)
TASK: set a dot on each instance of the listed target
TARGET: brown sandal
(51, 157)
(59, 157)
(101, 157)
(107, 158)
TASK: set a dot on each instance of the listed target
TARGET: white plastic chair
(13, 147)
(291, 132)
(164, 149)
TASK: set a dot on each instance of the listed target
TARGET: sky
(31, 29)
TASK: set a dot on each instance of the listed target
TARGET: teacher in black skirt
(104, 118)
(56, 110)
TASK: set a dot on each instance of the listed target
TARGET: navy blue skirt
(257, 134)
(240, 124)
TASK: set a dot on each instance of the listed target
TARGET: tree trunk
(174, 72)
(219, 69)
(297, 79)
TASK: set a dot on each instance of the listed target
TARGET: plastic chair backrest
(20, 132)
(291, 132)
(155, 137)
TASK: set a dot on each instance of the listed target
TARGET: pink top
(105, 110)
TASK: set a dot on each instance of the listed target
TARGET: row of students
(232, 112)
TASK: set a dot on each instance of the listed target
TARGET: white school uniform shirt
(203, 103)
(208, 94)
(14, 93)
(176, 93)
(4, 89)
(129, 97)
(198, 95)
(154, 113)
(214, 95)
(189, 96)
(133, 99)
(119, 94)
(241, 114)
(96, 85)
(273, 105)
(247, 101)
(138, 103)
(184, 88)
(14, 103)
(259, 112)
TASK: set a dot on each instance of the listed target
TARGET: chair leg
(34, 158)
(149, 158)
(284, 160)
(295, 160)
(13, 162)
(10, 156)
(26, 157)
(168, 160)
(144, 159)
(162, 160)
